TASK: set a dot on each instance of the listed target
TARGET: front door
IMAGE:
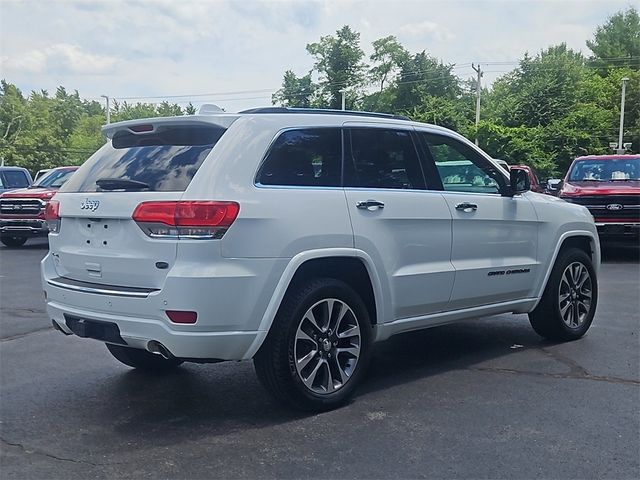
(494, 249)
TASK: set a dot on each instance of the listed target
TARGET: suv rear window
(163, 160)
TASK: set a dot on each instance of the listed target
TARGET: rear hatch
(151, 160)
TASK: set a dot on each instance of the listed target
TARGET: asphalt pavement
(486, 398)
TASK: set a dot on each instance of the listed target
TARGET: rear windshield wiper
(121, 184)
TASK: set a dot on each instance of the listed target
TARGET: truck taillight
(52, 215)
(186, 219)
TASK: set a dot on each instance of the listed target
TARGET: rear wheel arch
(307, 264)
(349, 269)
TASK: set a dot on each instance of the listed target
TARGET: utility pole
(478, 70)
(106, 97)
(343, 91)
(621, 148)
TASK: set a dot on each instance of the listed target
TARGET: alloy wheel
(327, 346)
(575, 294)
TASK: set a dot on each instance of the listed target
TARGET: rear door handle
(467, 207)
(369, 204)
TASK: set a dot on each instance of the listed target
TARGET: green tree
(338, 61)
(423, 76)
(542, 89)
(387, 58)
(295, 91)
(617, 42)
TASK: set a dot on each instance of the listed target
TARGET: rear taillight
(52, 215)
(186, 219)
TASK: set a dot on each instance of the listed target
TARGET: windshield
(606, 170)
(163, 160)
(14, 179)
(53, 179)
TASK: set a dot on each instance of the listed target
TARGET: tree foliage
(339, 64)
(556, 104)
(43, 131)
(618, 40)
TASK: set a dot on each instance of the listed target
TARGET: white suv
(298, 238)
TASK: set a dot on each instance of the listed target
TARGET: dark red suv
(609, 186)
(22, 210)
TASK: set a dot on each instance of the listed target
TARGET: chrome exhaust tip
(156, 347)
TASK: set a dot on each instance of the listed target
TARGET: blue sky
(237, 51)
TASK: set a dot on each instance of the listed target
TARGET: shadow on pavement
(197, 401)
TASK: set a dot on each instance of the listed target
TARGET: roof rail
(324, 111)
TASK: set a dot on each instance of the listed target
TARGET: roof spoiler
(146, 125)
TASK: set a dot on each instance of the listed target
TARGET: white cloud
(129, 48)
(428, 29)
(61, 58)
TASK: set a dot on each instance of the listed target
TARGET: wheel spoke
(311, 318)
(355, 351)
(350, 332)
(575, 316)
(584, 276)
(586, 305)
(302, 335)
(308, 381)
(304, 361)
(563, 310)
(330, 303)
(344, 376)
(330, 386)
(341, 314)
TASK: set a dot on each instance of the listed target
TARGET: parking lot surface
(480, 399)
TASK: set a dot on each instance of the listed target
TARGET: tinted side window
(310, 157)
(15, 179)
(382, 158)
(460, 168)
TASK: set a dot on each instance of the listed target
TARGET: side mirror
(554, 184)
(519, 180)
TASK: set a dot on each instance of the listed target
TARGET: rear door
(404, 227)
(494, 248)
(98, 240)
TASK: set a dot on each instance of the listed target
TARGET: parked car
(297, 238)
(22, 210)
(12, 178)
(502, 163)
(41, 173)
(609, 186)
(536, 186)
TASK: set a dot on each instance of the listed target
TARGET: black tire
(547, 318)
(275, 361)
(11, 241)
(141, 359)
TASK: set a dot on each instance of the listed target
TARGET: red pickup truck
(609, 186)
(22, 211)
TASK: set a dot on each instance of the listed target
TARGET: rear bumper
(230, 299)
(138, 332)
(23, 227)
